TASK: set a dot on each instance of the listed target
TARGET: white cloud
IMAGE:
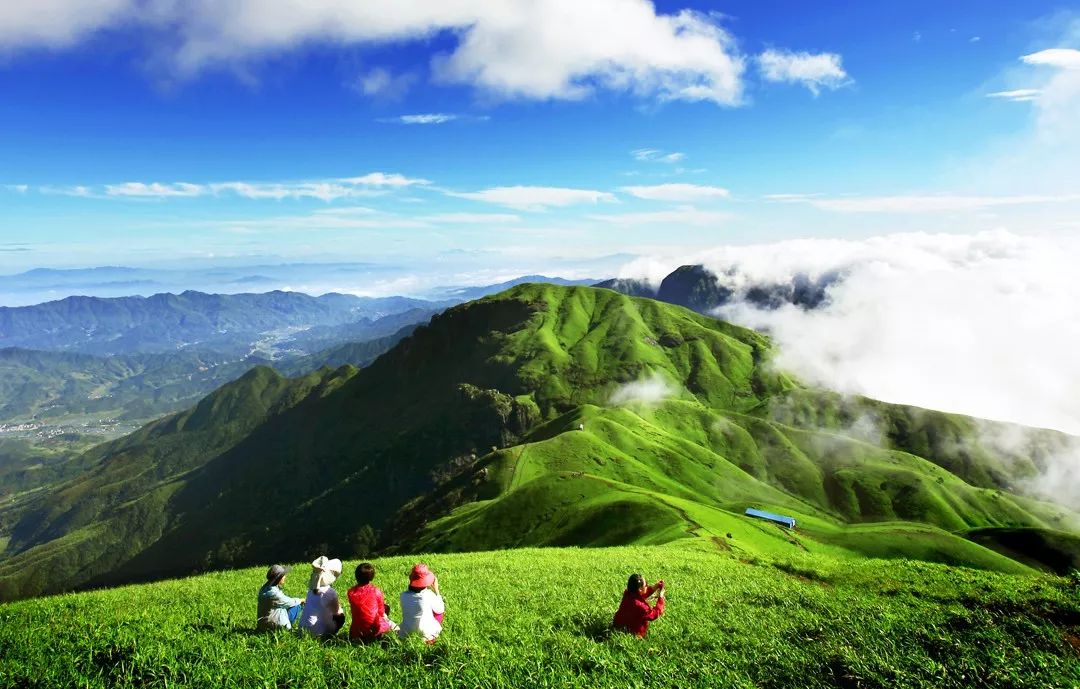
(1041, 157)
(383, 84)
(677, 192)
(935, 203)
(653, 155)
(533, 49)
(814, 71)
(346, 210)
(154, 189)
(1062, 58)
(383, 179)
(17, 188)
(535, 198)
(473, 218)
(983, 324)
(647, 391)
(565, 49)
(424, 118)
(79, 190)
(371, 184)
(319, 221)
(323, 191)
(1016, 95)
(58, 23)
(676, 217)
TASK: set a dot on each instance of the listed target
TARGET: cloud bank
(509, 49)
(982, 324)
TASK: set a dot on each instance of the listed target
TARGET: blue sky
(476, 137)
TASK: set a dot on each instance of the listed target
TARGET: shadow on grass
(591, 625)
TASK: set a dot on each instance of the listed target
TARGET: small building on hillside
(789, 522)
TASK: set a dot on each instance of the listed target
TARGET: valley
(541, 416)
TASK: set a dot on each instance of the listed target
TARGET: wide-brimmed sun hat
(421, 576)
(275, 573)
(324, 572)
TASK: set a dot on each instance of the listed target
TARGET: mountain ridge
(499, 414)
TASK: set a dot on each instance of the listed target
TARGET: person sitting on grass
(276, 610)
(370, 613)
(422, 606)
(634, 612)
(323, 614)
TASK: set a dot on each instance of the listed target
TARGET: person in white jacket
(276, 610)
(422, 606)
(323, 614)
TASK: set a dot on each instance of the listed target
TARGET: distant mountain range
(228, 324)
(102, 367)
(544, 415)
(49, 284)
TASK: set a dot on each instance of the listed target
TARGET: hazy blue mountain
(323, 337)
(234, 324)
(49, 284)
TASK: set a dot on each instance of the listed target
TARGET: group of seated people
(322, 615)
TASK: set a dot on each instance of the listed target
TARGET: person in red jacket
(370, 613)
(635, 613)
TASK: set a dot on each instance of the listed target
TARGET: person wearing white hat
(276, 610)
(323, 615)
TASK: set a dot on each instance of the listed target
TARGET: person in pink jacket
(370, 613)
(635, 613)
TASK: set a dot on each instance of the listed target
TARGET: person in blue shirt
(276, 610)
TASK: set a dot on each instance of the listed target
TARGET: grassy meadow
(539, 618)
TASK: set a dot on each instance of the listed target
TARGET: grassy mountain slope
(468, 434)
(541, 618)
(120, 504)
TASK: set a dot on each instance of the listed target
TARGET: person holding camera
(635, 613)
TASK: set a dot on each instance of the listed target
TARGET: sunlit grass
(539, 617)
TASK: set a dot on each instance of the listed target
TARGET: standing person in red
(370, 613)
(634, 612)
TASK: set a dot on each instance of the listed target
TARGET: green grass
(539, 618)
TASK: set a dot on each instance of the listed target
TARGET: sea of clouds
(983, 324)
